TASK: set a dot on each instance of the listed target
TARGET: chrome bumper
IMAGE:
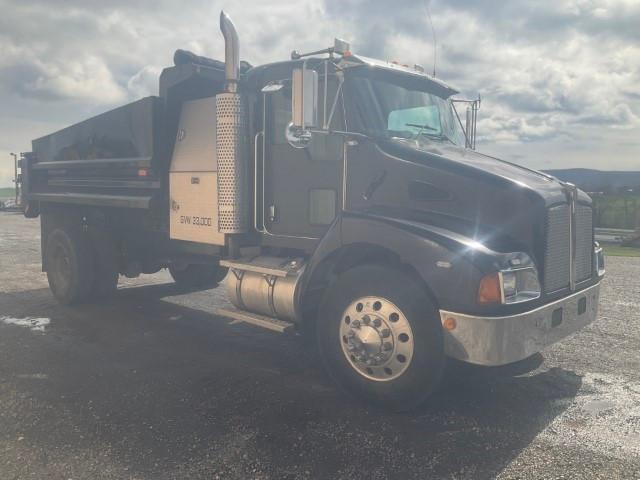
(502, 340)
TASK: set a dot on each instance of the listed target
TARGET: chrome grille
(584, 242)
(558, 250)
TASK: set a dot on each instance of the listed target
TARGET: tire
(105, 282)
(197, 275)
(69, 265)
(367, 300)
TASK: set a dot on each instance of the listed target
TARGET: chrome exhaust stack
(232, 140)
(231, 52)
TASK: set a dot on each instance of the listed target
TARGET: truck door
(302, 186)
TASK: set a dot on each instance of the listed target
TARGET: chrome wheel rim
(376, 338)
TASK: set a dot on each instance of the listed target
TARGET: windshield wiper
(439, 136)
(421, 127)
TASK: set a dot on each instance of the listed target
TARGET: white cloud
(87, 78)
(144, 82)
(555, 75)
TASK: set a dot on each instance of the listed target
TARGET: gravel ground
(154, 386)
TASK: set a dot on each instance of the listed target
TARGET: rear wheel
(197, 275)
(380, 337)
(69, 265)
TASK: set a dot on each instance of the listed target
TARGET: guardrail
(615, 235)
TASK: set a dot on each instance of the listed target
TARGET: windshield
(394, 106)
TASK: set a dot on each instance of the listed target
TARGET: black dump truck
(338, 197)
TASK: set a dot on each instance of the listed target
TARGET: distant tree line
(616, 195)
(617, 210)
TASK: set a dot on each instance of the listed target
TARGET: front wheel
(380, 337)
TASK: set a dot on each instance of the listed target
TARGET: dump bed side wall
(125, 132)
(114, 159)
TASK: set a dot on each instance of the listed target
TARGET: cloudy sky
(560, 79)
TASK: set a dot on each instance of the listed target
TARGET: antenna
(433, 32)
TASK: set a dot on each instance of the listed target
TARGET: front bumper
(503, 340)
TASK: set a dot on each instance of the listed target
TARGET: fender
(450, 264)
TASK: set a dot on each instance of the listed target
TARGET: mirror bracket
(298, 137)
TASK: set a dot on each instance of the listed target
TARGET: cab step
(273, 266)
(256, 319)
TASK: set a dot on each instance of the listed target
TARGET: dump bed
(114, 159)
(120, 158)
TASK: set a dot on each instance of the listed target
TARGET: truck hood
(499, 204)
(466, 162)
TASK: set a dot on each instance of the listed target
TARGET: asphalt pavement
(154, 385)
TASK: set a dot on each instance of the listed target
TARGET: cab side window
(322, 147)
(280, 114)
(329, 148)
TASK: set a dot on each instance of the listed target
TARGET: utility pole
(15, 173)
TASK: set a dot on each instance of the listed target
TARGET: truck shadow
(174, 391)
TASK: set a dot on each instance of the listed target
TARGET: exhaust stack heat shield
(232, 154)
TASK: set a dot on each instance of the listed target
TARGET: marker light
(449, 323)
(489, 290)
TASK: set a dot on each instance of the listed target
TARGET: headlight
(599, 259)
(520, 285)
(510, 286)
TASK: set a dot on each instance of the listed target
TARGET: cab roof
(353, 60)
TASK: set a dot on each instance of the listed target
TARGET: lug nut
(387, 346)
(355, 324)
(385, 333)
(377, 322)
(366, 320)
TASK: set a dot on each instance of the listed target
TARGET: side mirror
(304, 107)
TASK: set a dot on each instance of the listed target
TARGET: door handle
(373, 186)
(255, 182)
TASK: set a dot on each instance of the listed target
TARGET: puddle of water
(35, 324)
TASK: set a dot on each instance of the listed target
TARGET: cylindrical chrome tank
(270, 295)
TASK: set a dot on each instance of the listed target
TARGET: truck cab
(339, 197)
